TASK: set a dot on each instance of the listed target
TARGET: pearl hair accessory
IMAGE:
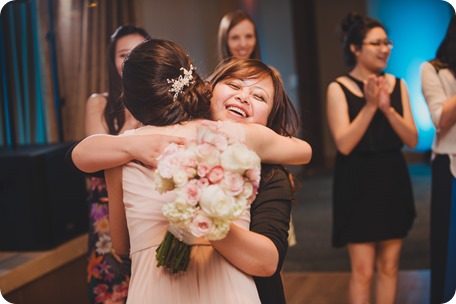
(181, 82)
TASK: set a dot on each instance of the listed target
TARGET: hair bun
(350, 21)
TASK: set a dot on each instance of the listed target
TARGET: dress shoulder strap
(359, 83)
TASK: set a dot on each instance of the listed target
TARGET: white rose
(219, 231)
(238, 158)
(207, 154)
(216, 203)
(178, 214)
(180, 178)
(247, 190)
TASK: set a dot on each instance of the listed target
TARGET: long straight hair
(114, 113)
(229, 21)
(446, 53)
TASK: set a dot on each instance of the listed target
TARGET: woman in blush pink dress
(210, 276)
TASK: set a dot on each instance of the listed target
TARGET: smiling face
(123, 46)
(241, 39)
(246, 101)
(374, 53)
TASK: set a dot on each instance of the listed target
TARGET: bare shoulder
(349, 84)
(96, 102)
(334, 85)
(335, 89)
(97, 99)
(391, 80)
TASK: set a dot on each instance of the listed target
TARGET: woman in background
(237, 37)
(108, 273)
(370, 120)
(438, 79)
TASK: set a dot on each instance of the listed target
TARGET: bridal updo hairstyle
(354, 29)
(283, 118)
(146, 91)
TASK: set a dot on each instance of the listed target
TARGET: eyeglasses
(379, 43)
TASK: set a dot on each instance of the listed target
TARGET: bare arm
(448, 118)
(117, 217)
(276, 149)
(441, 107)
(270, 219)
(242, 247)
(347, 134)
(99, 152)
(94, 119)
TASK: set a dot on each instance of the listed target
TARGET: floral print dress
(108, 274)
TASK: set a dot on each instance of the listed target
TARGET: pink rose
(215, 175)
(233, 183)
(201, 224)
(169, 164)
(220, 142)
(202, 183)
(192, 192)
(202, 170)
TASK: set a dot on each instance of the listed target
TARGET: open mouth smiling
(237, 111)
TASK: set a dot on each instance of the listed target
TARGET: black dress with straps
(372, 192)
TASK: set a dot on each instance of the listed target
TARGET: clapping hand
(372, 91)
(376, 92)
(384, 96)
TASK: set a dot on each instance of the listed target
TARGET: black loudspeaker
(42, 198)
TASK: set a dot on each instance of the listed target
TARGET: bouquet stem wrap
(174, 251)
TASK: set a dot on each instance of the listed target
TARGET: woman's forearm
(405, 129)
(251, 252)
(448, 117)
(101, 151)
(277, 149)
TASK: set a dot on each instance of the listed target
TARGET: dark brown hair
(146, 91)
(283, 118)
(446, 53)
(228, 21)
(354, 29)
(114, 111)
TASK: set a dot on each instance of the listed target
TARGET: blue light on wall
(416, 28)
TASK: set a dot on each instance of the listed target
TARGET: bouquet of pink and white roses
(215, 178)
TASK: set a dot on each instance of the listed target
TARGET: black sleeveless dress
(372, 192)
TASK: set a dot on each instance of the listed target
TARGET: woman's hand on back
(147, 148)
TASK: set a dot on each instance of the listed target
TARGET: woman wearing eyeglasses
(370, 120)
